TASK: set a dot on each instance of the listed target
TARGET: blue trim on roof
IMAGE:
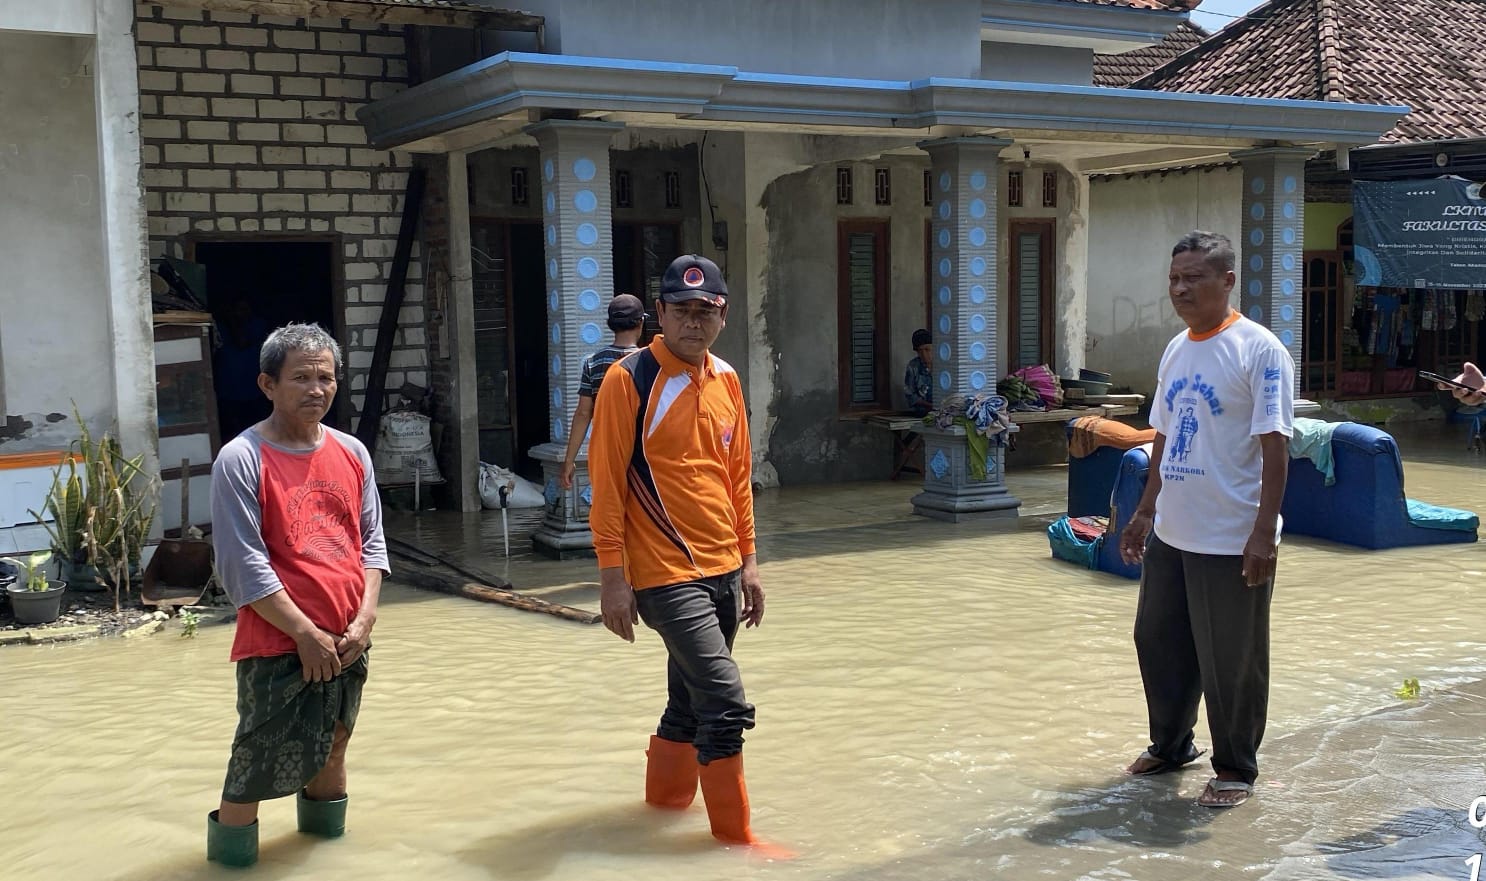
(787, 79)
(1149, 95)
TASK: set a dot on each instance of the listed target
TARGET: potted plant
(67, 503)
(102, 505)
(34, 598)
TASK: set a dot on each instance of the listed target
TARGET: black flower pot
(37, 606)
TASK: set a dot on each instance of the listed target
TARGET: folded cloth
(1311, 439)
(1092, 432)
(1088, 528)
(1436, 517)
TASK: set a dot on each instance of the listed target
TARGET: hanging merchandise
(1385, 340)
(1451, 319)
(1475, 305)
(1429, 321)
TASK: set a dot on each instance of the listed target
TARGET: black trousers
(698, 621)
(1201, 632)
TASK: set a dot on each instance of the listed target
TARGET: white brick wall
(249, 125)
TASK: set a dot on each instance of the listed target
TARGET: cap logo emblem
(693, 277)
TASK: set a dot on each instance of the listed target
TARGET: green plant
(1409, 691)
(30, 570)
(189, 622)
(65, 502)
(102, 505)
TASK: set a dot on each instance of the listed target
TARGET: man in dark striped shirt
(627, 320)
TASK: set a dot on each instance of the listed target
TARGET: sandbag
(523, 493)
(405, 449)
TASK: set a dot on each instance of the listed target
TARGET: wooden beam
(383, 12)
(376, 376)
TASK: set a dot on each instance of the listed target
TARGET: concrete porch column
(578, 232)
(126, 249)
(1271, 276)
(965, 180)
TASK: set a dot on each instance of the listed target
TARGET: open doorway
(529, 346)
(255, 284)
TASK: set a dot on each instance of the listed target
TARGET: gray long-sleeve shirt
(246, 565)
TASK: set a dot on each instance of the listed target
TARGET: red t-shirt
(311, 506)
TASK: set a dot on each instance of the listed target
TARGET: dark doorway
(256, 285)
(642, 251)
(529, 346)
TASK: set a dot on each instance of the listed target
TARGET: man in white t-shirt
(1208, 526)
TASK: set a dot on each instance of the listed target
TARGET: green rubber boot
(324, 818)
(231, 845)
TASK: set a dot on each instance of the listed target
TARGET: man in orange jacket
(672, 522)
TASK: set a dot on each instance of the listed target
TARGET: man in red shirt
(297, 527)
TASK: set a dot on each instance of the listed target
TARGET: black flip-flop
(1163, 766)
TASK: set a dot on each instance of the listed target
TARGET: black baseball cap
(693, 277)
(626, 310)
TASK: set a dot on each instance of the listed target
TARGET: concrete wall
(249, 126)
(1134, 221)
(890, 39)
(1036, 64)
(76, 17)
(55, 344)
(809, 442)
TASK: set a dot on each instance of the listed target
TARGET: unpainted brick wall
(249, 126)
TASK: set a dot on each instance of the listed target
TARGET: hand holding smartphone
(1445, 380)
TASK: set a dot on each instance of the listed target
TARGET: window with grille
(928, 188)
(1030, 335)
(1014, 189)
(1049, 189)
(673, 189)
(883, 186)
(624, 194)
(843, 185)
(862, 272)
(520, 191)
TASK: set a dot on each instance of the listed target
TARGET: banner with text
(1420, 233)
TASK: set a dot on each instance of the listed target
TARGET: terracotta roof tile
(1423, 53)
(1170, 5)
(1120, 70)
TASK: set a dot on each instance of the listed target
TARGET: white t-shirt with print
(1214, 398)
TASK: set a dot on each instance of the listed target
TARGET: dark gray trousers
(698, 621)
(1201, 632)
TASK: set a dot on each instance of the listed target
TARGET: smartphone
(1445, 380)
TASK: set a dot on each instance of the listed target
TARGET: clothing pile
(985, 420)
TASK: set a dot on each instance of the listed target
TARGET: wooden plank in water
(416, 570)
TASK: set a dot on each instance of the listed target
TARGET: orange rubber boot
(726, 796)
(670, 773)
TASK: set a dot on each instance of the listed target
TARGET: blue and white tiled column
(579, 250)
(1272, 270)
(965, 177)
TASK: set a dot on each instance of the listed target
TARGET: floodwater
(934, 702)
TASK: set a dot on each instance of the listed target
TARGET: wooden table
(906, 427)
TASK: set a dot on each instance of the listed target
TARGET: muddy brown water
(934, 702)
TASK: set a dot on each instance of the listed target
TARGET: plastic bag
(522, 493)
(1068, 546)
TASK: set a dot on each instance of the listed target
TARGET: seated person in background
(918, 384)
